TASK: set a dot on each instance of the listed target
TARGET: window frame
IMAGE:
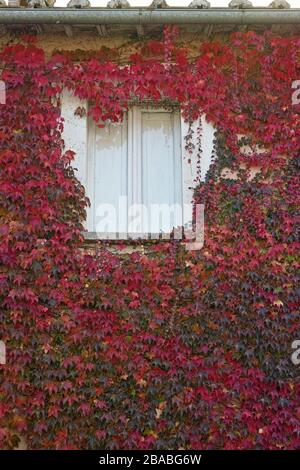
(77, 134)
(134, 175)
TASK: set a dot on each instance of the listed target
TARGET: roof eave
(143, 16)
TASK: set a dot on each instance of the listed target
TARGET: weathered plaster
(88, 42)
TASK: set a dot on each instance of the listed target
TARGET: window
(135, 174)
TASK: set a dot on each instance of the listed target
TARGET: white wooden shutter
(107, 178)
(161, 170)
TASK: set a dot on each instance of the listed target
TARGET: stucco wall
(81, 41)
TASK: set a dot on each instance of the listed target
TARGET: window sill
(126, 237)
(144, 243)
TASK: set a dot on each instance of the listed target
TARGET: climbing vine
(166, 348)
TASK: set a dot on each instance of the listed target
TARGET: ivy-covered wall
(166, 348)
(82, 44)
